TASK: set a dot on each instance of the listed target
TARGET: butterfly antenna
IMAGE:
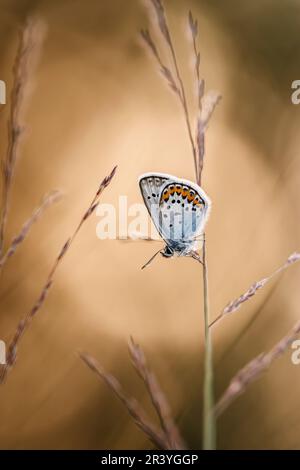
(151, 259)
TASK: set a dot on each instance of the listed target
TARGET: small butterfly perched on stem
(179, 210)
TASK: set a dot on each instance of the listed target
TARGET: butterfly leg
(194, 255)
(137, 237)
(151, 259)
(201, 260)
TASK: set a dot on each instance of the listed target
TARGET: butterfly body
(179, 209)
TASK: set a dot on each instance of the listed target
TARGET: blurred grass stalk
(164, 437)
(206, 104)
(255, 368)
(26, 321)
(31, 38)
(209, 419)
(30, 42)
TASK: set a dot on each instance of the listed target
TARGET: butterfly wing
(184, 210)
(179, 208)
(150, 186)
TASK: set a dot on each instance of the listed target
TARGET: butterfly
(179, 210)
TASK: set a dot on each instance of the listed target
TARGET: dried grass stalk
(31, 39)
(26, 321)
(176, 84)
(164, 70)
(193, 27)
(48, 200)
(168, 438)
(206, 105)
(254, 369)
(157, 396)
(133, 407)
(234, 305)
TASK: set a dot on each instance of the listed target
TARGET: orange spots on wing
(191, 197)
(197, 202)
(184, 192)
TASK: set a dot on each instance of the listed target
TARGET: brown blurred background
(98, 101)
